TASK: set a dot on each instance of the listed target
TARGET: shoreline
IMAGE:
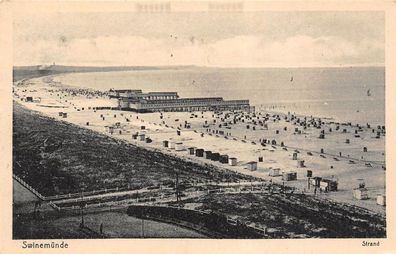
(322, 199)
(160, 133)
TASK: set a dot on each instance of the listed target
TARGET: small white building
(142, 137)
(232, 161)
(252, 165)
(289, 176)
(179, 146)
(381, 200)
(274, 172)
(360, 193)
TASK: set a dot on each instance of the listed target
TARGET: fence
(86, 193)
(198, 220)
(30, 188)
(27, 186)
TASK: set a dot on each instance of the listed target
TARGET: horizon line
(206, 66)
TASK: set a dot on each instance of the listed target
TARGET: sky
(224, 39)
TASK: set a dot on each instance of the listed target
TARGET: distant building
(136, 100)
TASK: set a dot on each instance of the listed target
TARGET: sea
(348, 94)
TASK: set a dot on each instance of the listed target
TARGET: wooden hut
(191, 150)
(328, 185)
(381, 200)
(199, 152)
(274, 172)
(215, 157)
(179, 146)
(252, 165)
(232, 161)
(207, 154)
(314, 181)
(360, 193)
(223, 158)
(289, 176)
(142, 137)
(165, 143)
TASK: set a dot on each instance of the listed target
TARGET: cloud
(238, 51)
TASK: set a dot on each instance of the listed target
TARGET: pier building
(136, 100)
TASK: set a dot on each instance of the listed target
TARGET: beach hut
(199, 152)
(179, 146)
(365, 149)
(300, 164)
(381, 200)
(309, 173)
(207, 154)
(191, 150)
(143, 127)
(328, 185)
(360, 193)
(223, 158)
(142, 137)
(289, 176)
(109, 129)
(232, 161)
(252, 165)
(347, 141)
(260, 159)
(314, 181)
(60, 113)
(274, 172)
(215, 157)
(64, 115)
(165, 143)
(29, 99)
(294, 156)
(135, 136)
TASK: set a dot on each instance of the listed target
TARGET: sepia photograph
(216, 123)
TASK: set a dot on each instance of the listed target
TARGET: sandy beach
(341, 155)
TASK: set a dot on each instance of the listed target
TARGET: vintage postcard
(210, 126)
